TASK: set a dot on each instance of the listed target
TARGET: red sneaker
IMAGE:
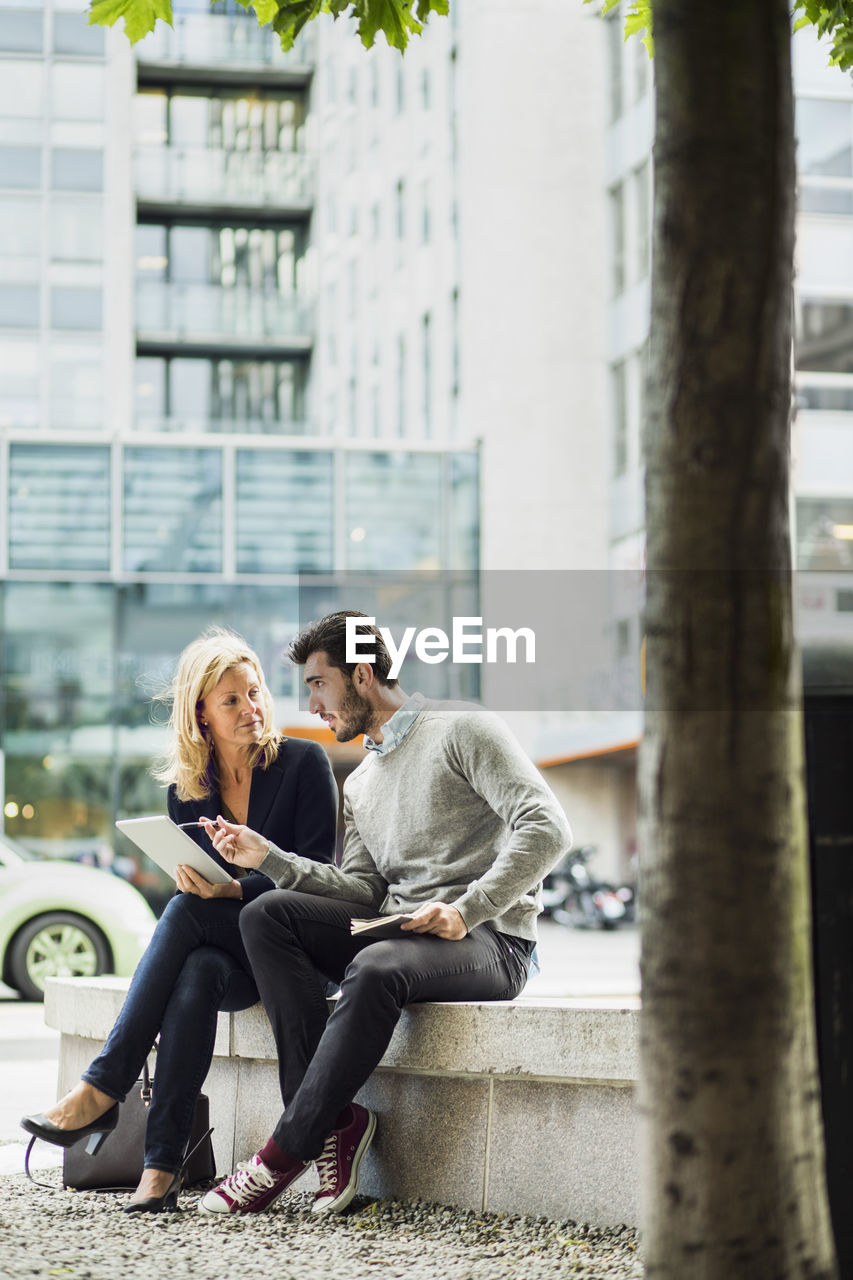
(339, 1163)
(251, 1188)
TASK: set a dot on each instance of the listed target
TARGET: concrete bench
(522, 1107)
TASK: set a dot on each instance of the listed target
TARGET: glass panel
(824, 339)
(190, 253)
(19, 306)
(59, 507)
(824, 137)
(20, 167)
(72, 34)
(838, 399)
(76, 231)
(464, 511)
(391, 504)
(824, 532)
(76, 389)
(150, 118)
(172, 510)
(78, 91)
(619, 393)
(284, 511)
(19, 383)
(152, 258)
(20, 228)
(190, 390)
(150, 391)
(72, 308)
(814, 199)
(188, 125)
(57, 686)
(21, 30)
(77, 169)
(21, 89)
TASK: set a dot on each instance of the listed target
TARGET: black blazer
(294, 803)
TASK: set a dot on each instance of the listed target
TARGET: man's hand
(240, 845)
(437, 918)
(189, 881)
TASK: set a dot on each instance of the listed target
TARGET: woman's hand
(237, 844)
(190, 881)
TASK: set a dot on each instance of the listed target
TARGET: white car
(62, 919)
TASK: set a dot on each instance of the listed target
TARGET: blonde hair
(190, 762)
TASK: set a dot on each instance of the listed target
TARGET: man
(446, 819)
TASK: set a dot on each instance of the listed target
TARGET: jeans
(294, 940)
(194, 966)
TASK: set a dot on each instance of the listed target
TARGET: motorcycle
(572, 897)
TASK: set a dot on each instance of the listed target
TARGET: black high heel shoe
(166, 1203)
(97, 1132)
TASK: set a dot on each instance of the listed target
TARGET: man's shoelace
(249, 1180)
(327, 1165)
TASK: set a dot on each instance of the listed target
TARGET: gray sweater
(456, 813)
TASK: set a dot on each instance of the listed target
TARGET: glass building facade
(163, 463)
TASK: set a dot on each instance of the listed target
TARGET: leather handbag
(117, 1166)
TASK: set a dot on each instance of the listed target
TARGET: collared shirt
(395, 729)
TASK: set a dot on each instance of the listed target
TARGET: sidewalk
(85, 1236)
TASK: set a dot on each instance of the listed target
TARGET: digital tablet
(170, 847)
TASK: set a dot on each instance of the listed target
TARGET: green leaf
(140, 16)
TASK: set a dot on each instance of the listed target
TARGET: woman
(226, 758)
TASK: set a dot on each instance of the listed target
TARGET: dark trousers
(194, 966)
(295, 941)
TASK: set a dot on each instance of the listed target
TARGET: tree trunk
(732, 1139)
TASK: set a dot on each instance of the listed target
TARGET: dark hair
(329, 636)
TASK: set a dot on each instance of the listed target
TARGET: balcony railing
(207, 39)
(201, 312)
(205, 176)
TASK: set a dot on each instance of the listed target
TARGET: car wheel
(56, 945)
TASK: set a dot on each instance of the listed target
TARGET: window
(400, 209)
(464, 511)
(391, 503)
(642, 206)
(172, 510)
(825, 156)
(77, 169)
(76, 231)
(613, 28)
(619, 394)
(20, 367)
(72, 34)
(824, 335)
(59, 507)
(20, 168)
(426, 214)
(19, 306)
(825, 534)
(617, 239)
(426, 360)
(76, 387)
(77, 91)
(401, 384)
(21, 89)
(284, 511)
(20, 227)
(72, 308)
(21, 30)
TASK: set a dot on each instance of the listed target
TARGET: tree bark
(733, 1169)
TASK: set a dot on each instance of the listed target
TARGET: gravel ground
(85, 1236)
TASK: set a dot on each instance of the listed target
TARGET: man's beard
(353, 716)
